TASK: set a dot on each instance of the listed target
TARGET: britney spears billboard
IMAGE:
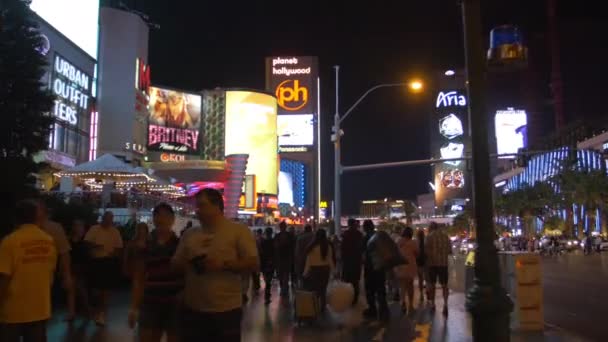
(174, 121)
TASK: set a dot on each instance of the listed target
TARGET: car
(604, 245)
(467, 245)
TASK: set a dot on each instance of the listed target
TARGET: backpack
(384, 252)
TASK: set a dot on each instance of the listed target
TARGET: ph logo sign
(291, 95)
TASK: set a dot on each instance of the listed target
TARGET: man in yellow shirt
(27, 262)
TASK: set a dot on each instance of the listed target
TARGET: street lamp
(414, 86)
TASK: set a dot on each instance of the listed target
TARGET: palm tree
(410, 211)
(588, 188)
(527, 204)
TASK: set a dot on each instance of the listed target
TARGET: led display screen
(78, 20)
(174, 121)
(251, 128)
(296, 130)
(285, 188)
(510, 131)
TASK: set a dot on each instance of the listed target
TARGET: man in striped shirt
(156, 284)
(437, 247)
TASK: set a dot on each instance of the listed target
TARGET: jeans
(211, 326)
(375, 290)
(31, 332)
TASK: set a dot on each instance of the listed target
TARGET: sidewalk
(275, 324)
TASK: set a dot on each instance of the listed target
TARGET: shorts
(438, 272)
(160, 317)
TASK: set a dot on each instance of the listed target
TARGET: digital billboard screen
(511, 126)
(78, 20)
(293, 80)
(174, 121)
(285, 188)
(251, 128)
(296, 130)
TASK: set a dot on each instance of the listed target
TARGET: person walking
(255, 276)
(302, 243)
(285, 251)
(214, 257)
(27, 263)
(105, 262)
(56, 231)
(267, 262)
(438, 248)
(405, 274)
(134, 248)
(155, 283)
(319, 266)
(352, 249)
(79, 255)
(421, 264)
(375, 281)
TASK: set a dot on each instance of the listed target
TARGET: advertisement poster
(251, 128)
(296, 130)
(510, 131)
(293, 80)
(174, 121)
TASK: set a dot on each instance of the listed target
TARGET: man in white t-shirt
(214, 257)
(106, 244)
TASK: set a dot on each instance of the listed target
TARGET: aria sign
(450, 99)
(72, 88)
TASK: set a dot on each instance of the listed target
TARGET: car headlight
(576, 242)
(569, 243)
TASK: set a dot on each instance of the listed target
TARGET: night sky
(207, 44)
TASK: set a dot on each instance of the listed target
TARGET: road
(576, 294)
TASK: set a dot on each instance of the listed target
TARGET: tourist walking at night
(27, 262)
(214, 257)
(267, 262)
(56, 231)
(134, 248)
(107, 246)
(438, 248)
(285, 252)
(406, 273)
(79, 255)
(319, 266)
(375, 281)
(302, 243)
(156, 283)
(421, 264)
(352, 249)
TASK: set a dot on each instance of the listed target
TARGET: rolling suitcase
(307, 306)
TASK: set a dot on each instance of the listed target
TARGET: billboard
(511, 126)
(174, 121)
(293, 80)
(78, 20)
(72, 89)
(296, 130)
(251, 128)
(450, 140)
(285, 188)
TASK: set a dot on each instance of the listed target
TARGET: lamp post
(415, 86)
(487, 301)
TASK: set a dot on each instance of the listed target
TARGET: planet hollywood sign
(72, 88)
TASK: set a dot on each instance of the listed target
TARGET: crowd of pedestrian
(194, 287)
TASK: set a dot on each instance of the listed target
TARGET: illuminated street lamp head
(416, 86)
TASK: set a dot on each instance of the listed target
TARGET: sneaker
(100, 319)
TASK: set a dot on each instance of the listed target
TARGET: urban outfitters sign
(72, 90)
